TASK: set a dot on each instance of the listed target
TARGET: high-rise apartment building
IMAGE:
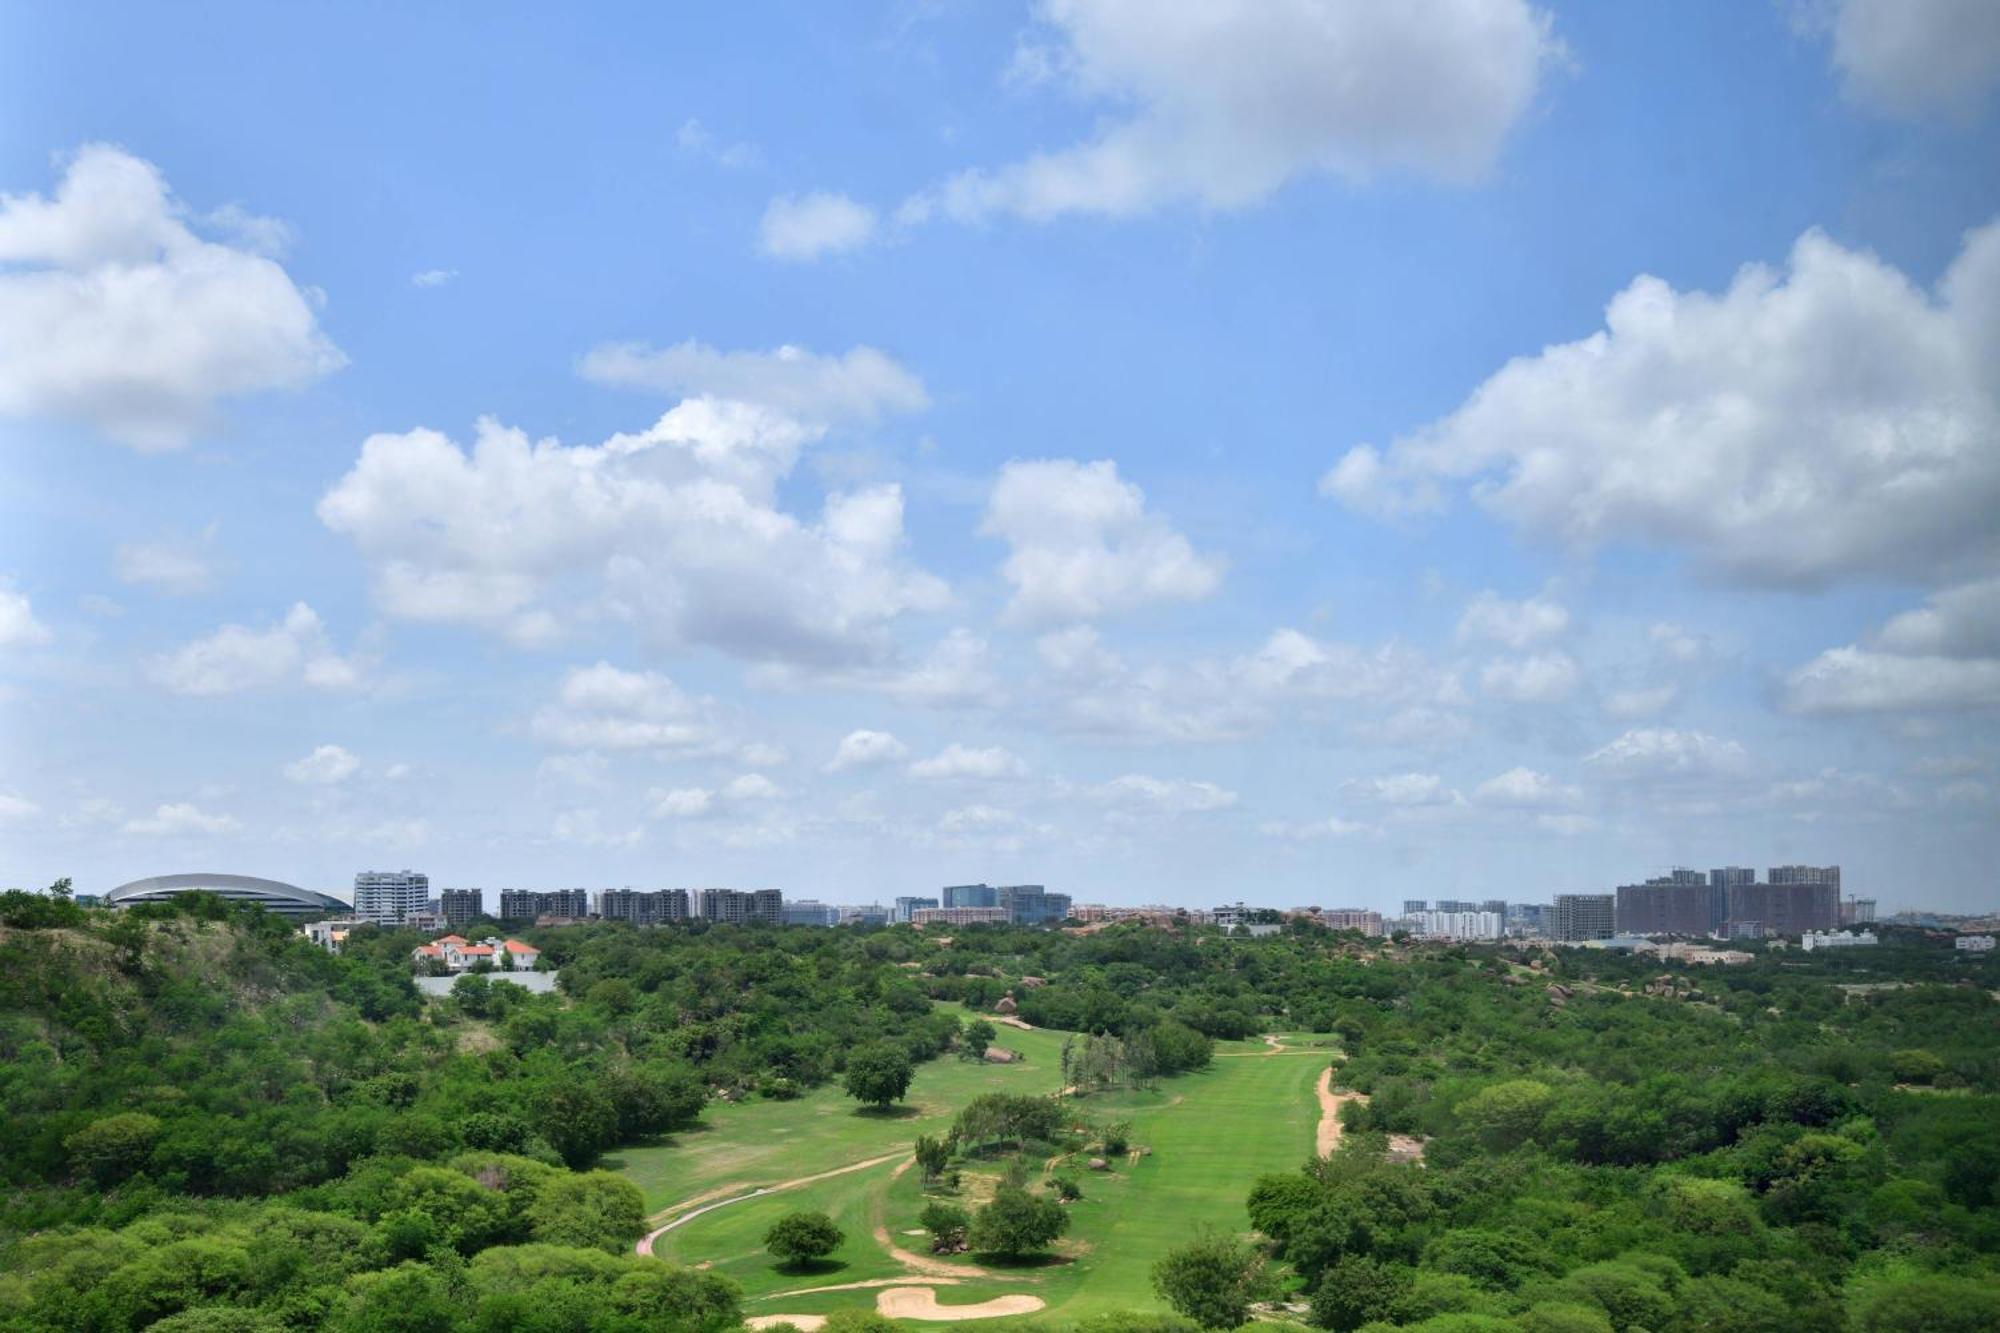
(1788, 908)
(1585, 916)
(1031, 904)
(1528, 918)
(389, 897)
(1460, 925)
(971, 895)
(1685, 902)
(1363, 919)
(959, 916)
(739, 907)
(1857, 911)
(1816, 875)
(462, 905)
(1412, 906)
(810, 912)
(532, 904)
(644, 907)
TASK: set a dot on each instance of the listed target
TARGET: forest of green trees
(213, 1125)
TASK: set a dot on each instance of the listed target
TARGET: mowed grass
(1211, 1134)
(757, 1142)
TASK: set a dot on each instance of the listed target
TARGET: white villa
(459, 955)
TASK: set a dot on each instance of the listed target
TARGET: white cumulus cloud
(1834, 402)
(1172, 795)
(294, 651)
(957, 761)
(1540, 678)
(864, 748)
(179, 818)
(114, 312)
(802, 227)
(18, 626)
(326, 765)
(1944, 655)
(603, 707)
(1083, 544)
(1915, 57)
(1664, 755)
(1524, 788)
(861, 385)
(677, 529)
(1223, 103)
(1523, 624)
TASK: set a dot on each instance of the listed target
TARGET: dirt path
(1330, 1103)
(922, 1264)
(1012, 1022)
(922, 1303)
(645, 1245)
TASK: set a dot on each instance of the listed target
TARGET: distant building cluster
(1674, 914)
(1727, 902)
(1019, 904)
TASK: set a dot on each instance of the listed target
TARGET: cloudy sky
(1298, 450)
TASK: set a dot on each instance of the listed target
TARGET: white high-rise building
(390, 897)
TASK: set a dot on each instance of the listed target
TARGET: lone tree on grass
(933, 1155)
(878, 1075)
(1212, 1280)
(976, 1037)
(798, 1238)
(1017, 1223)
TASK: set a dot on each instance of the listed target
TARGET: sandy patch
(922, 1303)
(1011, 1021)
(806, 1322)
(1330, 1103)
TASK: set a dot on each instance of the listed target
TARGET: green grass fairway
(1252, 1111)
(758, 1142)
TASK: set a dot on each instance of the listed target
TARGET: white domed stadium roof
(270, 894)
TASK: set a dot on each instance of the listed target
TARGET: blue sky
(1310, 452)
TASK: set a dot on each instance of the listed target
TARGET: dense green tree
(947, 1223)
(1017, 1223)
(577, 1117)
(878, 1075)
(799, 1238)
(1358, 1290)
(113, 1147)
(593, 1210)
(1212, 1280)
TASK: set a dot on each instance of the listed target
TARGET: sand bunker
(807, 1322)
(922, 1303)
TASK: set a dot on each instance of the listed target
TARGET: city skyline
(908, 445)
